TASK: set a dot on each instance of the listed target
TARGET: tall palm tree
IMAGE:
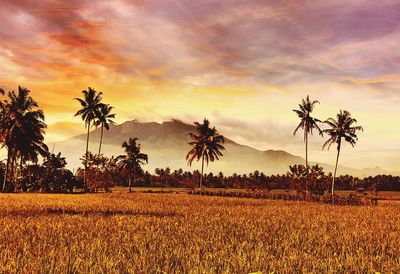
(2, 127)
(2, 116)
(23, 128)
(131, 162)
(341, 128)
(105, 119)
(206, 145)
(307, 122)
(91, 104)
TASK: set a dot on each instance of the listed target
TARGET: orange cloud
(74, 40)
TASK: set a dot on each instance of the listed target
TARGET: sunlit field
(154, 233)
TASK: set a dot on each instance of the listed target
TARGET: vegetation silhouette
(102, 172)
(307, 122)
(22, 129)
(104, 119)
(131, 162)
(206, 145)
(90, 111)
(22, 132)
(341, 128)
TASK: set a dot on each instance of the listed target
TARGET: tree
(90, 111)
(307, 122)
(342, 128)
(57, 178)
(2, 118)
(206, 145)
(130, 163)
(23, 130)
(105, 119)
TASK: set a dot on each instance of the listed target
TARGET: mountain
(167, 145)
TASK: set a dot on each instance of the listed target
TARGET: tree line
(293, 179)
(23, 127)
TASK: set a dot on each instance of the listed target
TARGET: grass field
(154, 233)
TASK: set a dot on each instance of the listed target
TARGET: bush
(350, 199)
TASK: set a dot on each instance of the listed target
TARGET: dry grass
(150, 233)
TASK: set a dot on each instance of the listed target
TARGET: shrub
(350, 199)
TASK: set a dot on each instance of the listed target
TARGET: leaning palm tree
(131, 162)
(105, 119)
(91, 103)
(206, 145)
(342, 128)
(307, 122)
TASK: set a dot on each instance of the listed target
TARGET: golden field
(178, 233)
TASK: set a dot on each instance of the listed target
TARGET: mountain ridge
(166, 144)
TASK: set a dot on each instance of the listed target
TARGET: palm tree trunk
(6, 171)
(20, 176)
(334, 174)
(202, 169)
(306, 149)
(12, 174)
(130, 184)
(86, 154)
(101, 138)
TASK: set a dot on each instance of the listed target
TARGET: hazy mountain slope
(167, 145)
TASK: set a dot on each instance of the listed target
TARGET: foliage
(206, 145)
(307, 122)
(350, 199)
(90, 105)
(89, 112)
(341, 128)
(51, 176)
(130, 163)
(165, 177)
(22, 130)
(310, 179)
(104, 119)
(101, 172)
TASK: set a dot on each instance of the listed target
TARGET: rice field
(180, 233)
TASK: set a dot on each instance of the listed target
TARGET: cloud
(247, 59)
(265, 42)
(263, 134)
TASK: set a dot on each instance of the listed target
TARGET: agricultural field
(180, 233)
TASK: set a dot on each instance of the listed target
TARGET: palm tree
(91, 103)
(2, 135)
(206, 145)
(341, 128)
(131, 162)
(307, 122)
(105, 119)
(23, 130)
(2, 116)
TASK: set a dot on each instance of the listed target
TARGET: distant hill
(167, 144)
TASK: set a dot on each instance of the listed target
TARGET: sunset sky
(243, 64)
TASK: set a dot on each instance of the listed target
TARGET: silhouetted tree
(307, 122)
(206, 145)
(131, 162)
(104, 120)
(90, 111)
(341, 128)
(56, 177)
(22, 129)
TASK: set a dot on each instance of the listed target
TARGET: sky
(242, 64)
